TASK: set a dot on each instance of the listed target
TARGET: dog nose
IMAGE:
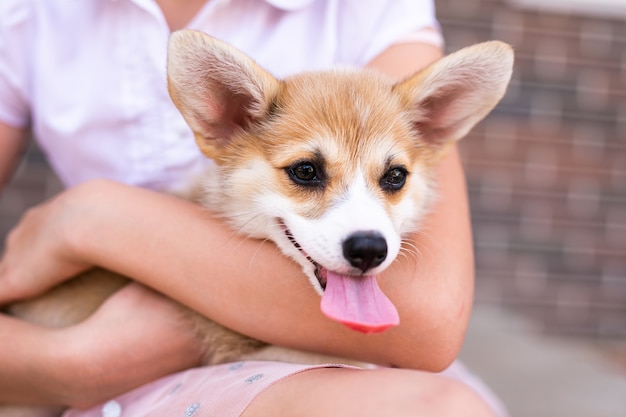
(365, 250)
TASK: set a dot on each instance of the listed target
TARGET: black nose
(365, 250)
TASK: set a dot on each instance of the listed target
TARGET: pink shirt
(89, 75)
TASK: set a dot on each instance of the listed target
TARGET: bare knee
(425, 394)
(387, 392)
(443, 397)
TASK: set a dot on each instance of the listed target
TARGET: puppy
(334, 167)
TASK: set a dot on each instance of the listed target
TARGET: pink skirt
(226, 391)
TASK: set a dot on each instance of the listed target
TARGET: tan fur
(71, 302)
(255, 127)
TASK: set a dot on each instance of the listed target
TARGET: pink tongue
(359, 303)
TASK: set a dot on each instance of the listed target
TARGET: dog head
(335, 167)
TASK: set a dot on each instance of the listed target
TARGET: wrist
(86, 209)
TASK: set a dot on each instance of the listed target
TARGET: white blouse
(89, 75)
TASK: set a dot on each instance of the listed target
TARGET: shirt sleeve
(368, 27)
(15, 38)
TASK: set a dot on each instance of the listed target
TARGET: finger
(10, 289)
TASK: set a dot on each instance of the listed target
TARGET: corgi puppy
(334, 167)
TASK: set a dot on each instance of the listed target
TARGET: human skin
(266, 296)
(12, 142)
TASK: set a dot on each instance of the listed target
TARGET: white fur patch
(322, 238)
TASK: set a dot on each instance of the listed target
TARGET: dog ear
(449, 97)
(218, 89)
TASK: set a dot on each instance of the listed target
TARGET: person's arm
(249, 285)
(12, 142)
(135, 337)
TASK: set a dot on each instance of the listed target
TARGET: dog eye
(394, 179)
(305, 173)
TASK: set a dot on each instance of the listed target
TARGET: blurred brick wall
(33, 183)
(547, 170)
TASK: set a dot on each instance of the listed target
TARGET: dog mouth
(321, 273)
(353, 300)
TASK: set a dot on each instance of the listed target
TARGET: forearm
(137, 331)
(203, 264)
(24, 378)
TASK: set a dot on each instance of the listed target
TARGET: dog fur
(307, 162)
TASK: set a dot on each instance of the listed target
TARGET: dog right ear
(218, 89)
(450, 96)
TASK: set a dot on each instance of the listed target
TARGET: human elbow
(437, 332)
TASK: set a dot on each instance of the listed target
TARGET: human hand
(38, 251)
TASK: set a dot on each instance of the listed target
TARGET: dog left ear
(449, 97)
(218, 89)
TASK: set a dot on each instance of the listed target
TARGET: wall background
(547, 170)
(547, 180)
